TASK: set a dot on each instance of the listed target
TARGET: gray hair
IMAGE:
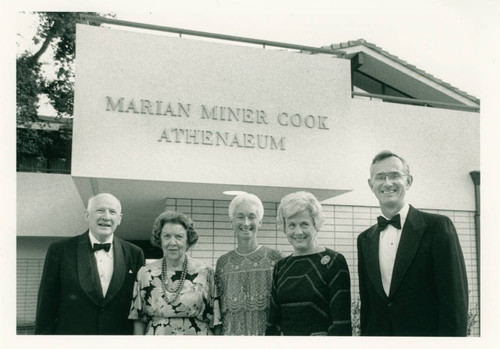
(90, 202)
(384, 154)
(297, 202)
(174, 217)
(246, 197)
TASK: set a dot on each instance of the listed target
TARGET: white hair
(246, 197)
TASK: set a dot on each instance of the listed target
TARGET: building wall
(331, 152)
(41, 197)
(441, 147)
(342, 225)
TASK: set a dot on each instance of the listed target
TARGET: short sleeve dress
(244, 288)
(311, 296)
(194, 312)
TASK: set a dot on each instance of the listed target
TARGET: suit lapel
(412, 233)
(119, 271)
(370, 250)
(86, 270)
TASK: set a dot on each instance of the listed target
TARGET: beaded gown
(244, 287)
(194, 312)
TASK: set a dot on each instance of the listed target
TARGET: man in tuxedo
(412, 278)
(87, 280)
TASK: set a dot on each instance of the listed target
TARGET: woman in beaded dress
(311, 288)
(174, 295)
(244, 276)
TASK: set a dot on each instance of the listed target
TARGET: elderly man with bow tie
(412, 277)
(87, 280)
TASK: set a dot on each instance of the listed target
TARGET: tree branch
(45, 45)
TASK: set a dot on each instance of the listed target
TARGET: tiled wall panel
(216, 237)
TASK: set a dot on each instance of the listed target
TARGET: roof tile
(363, 42)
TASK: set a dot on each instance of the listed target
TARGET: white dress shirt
(388, 247)
(104, 262)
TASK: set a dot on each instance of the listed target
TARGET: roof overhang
(143, 200)
(405, 77)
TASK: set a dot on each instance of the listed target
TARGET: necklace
(249, 253)
(164, 278)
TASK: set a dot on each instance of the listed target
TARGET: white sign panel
(157, 107)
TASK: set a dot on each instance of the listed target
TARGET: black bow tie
(394, 221)
(104, 247)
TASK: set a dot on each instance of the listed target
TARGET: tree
(57, 31)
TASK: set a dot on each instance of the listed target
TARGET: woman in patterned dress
(243, 276)
(311, 288)
(174, 295)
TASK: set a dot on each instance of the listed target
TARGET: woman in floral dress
(176, 294)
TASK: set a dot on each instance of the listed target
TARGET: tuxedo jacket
(70, 297)
(428, 294)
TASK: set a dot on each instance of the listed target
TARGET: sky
(435, 38)
(439, 37)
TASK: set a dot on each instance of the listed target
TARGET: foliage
(355, 316)
(29, 79)
(472, 319)
(57, 31)
(356, 308)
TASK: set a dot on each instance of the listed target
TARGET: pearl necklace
(164, 278)
(249, 253)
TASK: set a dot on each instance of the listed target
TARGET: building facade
(173, 123)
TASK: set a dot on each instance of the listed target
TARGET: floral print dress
(194, 312)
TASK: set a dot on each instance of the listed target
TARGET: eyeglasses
(393, 176)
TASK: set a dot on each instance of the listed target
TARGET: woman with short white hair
(311, 287)
(243, 276)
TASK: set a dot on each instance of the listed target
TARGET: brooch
(325, 260)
